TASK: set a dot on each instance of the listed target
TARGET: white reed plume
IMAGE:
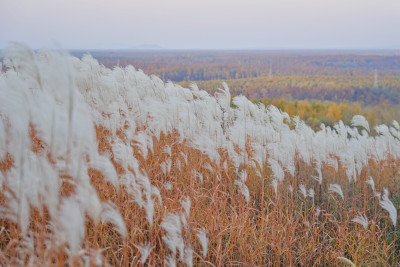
(188, 256)
(3, 147)
(207, 166)
(2, 179)
(311, 193)
(389, 207)
(145, 250)
(274, 185)
(336, 188)
(170, 261)
(104, 165)
(203, 241)
(225, 165)
(168, 186)
(149, 191)
(143, 143)
(166, 166)
(303, 190)
(277, 171)
(243, 176)
(290, 188)
(89, 200)
(385, 192)
(363, 220)
(198, 175)
(243, 189)
(25, 59)
(396, 125)
(178, 164)
(184, 222)
(168, 150)
(319, 171)
(370, 181)
(382, 130)
(111, 214)
(395, 132)
(185, 157)
(173, 238)
(186, 206)
(224, 97)
(71, 225)
(333, 162)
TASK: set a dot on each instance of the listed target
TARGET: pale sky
(202, 24)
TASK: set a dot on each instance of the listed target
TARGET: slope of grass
(112, 167)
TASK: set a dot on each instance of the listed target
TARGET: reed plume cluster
(114, 167)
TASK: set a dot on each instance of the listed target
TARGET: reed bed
(106, 167)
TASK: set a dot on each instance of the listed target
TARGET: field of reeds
(102, 167)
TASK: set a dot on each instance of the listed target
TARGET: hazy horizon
(202, 25)
(57, 45)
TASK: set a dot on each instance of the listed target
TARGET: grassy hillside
(114, 167)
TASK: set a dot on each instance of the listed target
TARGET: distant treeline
(213, 65)
(316, 112)
(366, 77)
(332, 88)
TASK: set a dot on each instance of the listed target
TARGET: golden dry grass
(271, 230)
